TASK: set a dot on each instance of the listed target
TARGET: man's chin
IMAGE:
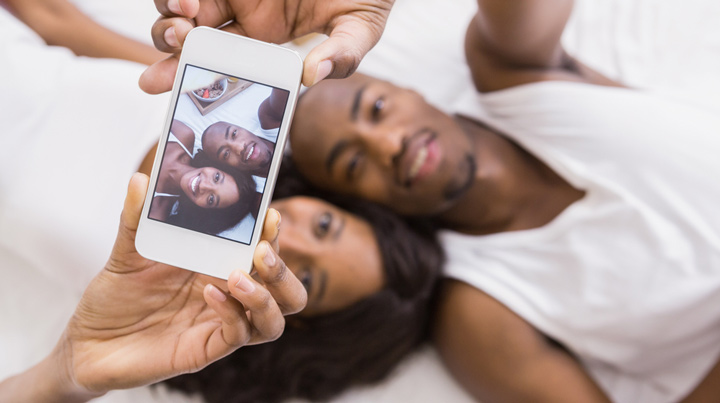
(457, 189)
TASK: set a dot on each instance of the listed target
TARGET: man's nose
(384, 142)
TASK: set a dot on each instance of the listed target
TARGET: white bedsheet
(65, 120)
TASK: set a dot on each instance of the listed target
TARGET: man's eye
(377, 108)
(226, 154)
(353, 164)
(234, 134)
(323, 224)
(211, 200)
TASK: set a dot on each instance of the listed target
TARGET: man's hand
(353, 27)
(141, 321)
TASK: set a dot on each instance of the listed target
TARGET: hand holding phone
(140, 321)
(217, 162)
(353, 27)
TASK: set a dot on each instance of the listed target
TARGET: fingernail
(279, 219)
(324, 69)
(245, 285)
(171, 38)
(174, 6)
(216, 294)
(269, 257)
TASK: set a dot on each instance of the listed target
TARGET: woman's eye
(323, 224)
(211, 200)
(306, 280)
(217, 177)
(377, 108)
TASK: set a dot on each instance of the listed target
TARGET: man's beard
(454, 192)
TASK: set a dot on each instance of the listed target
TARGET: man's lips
(248, 152)
(420, 157)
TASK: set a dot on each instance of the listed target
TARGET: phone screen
(218, 153)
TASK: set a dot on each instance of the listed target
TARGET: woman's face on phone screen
(333, 253)
(210, 188)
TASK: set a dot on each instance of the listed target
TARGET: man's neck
(512, 189)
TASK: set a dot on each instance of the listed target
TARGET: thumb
(137, 189)
(159, 77)
(340, 54)
(125, 241)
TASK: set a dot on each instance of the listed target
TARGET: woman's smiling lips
(194, 182)
(421, 157)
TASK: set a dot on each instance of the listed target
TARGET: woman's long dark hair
(214, 221)
(316, 358)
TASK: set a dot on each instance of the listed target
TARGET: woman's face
(333, 253)
(210, 188)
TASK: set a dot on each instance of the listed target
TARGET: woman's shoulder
(183, 133)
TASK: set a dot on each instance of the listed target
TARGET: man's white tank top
(628, 277)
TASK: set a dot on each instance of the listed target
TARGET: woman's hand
(353, 26)
(141, 321)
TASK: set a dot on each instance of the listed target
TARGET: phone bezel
(247, 59)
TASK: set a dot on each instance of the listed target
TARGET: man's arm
(498, 357)
(513, 42)
(271, 109)
(708, 390)
(60, 23)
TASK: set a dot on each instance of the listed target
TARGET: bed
(64, 117)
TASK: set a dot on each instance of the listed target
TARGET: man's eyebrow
(227, 132)
(355, 108)
(220, 151)
(335, 153)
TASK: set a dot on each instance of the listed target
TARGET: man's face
(365, 137)
(236, 147)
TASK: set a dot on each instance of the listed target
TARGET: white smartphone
(219, 154)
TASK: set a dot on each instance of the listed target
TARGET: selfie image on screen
(218, 153)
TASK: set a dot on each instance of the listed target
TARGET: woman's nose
(206, 184)
(292, 247)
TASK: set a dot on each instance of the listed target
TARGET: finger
(168, 34)
(160, 76)
(340, 55)
(178, 8)
(266, 318)
(236, 329)
(271, 229)
(286, 289)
